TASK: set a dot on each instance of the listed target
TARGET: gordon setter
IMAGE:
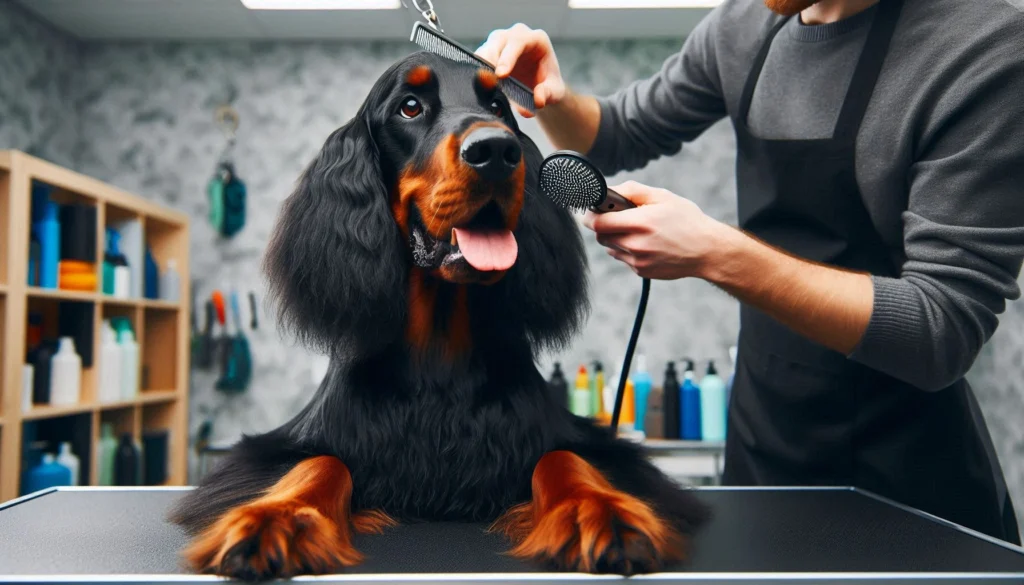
(417, 253)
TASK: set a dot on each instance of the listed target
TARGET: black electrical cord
(638, 322)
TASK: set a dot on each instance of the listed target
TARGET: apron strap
(869, 67)
(755, 72)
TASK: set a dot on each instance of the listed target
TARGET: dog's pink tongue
(487, 250)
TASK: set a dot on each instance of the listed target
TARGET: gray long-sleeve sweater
(939, 157)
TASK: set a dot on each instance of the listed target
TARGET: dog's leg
(578, 521)
(302, 525)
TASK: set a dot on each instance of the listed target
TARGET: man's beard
(789, 7)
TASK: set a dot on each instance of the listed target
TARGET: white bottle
(27, 380)
(170, 282)
(110, 365)
(66, 458)
(65, 374)
(122, 282)
(129, 364)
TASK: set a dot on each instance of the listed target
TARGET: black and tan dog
(417, 253)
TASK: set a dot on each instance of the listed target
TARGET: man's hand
(668, 237)
(526, 55)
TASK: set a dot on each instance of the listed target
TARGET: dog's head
(419, 220)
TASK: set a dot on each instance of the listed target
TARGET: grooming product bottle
(712, 405)
(47, 231)
(109, 261)
(670, 391)
(581, 393)
(689, 403)
(597, 390)
(170, 282)
(106, 452)
(66, 458)
(27, 379)
(151, 277)
(119, 284)
(65, 374)
(641, 391)
(110, 365)
(41, 359)
(126, 464)
(559, 385)
(627, 418)
(129, 360)
(47, 474)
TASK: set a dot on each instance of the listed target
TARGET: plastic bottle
(41, 358)
(66, 458)
(48, 233)
(170, 282)
(110, 260)
(580, 404)
(689, 405)
(641, 391)
(106, 454)
(596, 390)
(627, 418)
(670, 391)
(110, 365)
(559, 385)
(65, 374)
(126, 463)
(712, 405)
(151, 277)
(47, 474)
(129, 360)
(27, 380)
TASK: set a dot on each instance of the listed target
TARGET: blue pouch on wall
(227, 195)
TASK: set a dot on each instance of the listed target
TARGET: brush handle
(612, 202)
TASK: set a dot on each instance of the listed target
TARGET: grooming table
(758, 536)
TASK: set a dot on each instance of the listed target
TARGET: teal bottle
(641, 391)
(46, 475)
(712, 405)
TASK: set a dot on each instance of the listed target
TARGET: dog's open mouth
(483, 243)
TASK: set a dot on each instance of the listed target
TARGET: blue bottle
(641, 391)
(47, 474)
(151, 282)
(47, 232)
(689, 405)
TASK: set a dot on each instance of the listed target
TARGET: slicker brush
(573, 182)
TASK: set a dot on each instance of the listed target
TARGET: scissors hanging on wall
(226, 191)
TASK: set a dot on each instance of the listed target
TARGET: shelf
(147, 397)
(42, 412)
(97, 297)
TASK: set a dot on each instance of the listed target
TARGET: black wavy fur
(425, 438)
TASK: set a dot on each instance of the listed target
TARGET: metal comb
(432, 38)
(573, 182)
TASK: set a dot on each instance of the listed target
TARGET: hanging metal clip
(426, 9)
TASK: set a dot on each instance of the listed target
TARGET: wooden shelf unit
(161, 327)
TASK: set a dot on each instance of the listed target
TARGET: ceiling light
(322, 4)
(644, 3)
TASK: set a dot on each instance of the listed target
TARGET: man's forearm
(571, 123)
(825, 304)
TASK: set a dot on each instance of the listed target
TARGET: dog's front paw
(596, 532)
(267, 540)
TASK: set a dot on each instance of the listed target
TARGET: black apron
(802, 414)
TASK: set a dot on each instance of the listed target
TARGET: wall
(144, 118)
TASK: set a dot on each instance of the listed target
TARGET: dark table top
(757, 536)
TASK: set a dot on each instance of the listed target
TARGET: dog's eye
(411, 108)
(497, 109)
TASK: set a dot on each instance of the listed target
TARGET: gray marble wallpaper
(140, 116)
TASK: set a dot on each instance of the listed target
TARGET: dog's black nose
(493, 152)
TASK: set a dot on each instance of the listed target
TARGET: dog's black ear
(335, 264)
(543, 297)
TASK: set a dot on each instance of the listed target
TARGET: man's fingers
(509, 54)
(491, 49)
(640, 194)
(616, 222)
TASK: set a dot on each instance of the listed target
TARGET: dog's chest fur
(460, 450)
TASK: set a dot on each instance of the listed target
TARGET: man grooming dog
(879, 169)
